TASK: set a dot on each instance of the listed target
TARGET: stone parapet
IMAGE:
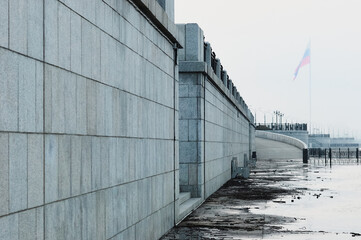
(204, 68)
(216, 127)
(198, 57)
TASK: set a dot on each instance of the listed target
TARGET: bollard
(325, 155)
(305, 155)
(319, 153)
(357, 152)
(348, 153)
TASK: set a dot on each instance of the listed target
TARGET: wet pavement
(282, 199)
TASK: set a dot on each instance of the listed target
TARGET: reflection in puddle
(329, 200)
(282, 200)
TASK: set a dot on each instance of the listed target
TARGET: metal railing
(283, 126)
(334, 154)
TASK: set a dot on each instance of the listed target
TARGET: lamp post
(278, 114)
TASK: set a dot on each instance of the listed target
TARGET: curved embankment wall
(277, 146)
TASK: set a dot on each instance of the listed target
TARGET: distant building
(299, 131)
(319, 140)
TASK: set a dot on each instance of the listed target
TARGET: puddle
(281, 200)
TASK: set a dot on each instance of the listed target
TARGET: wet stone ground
(282, 200)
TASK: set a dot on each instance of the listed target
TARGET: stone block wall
(215, 125)
(226, 138)
(88, 112)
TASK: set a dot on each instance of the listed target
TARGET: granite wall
(90, 115)
(88, 112)
(216, 127)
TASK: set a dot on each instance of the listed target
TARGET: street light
(278, 114)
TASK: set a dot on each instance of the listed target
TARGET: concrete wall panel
(17, 172)
(87, 119)
(4, 174)
(4, 23)
(213, 127)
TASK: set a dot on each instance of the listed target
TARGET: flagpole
(310, 92)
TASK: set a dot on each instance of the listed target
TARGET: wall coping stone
(159, 18)
(204, 68)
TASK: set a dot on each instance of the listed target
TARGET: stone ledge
(156, 14)
(192, 67)
(203, 67)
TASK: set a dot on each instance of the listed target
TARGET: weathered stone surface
(4, 23)
(75, 42)
(72, 209)
(194, 43)
(35, 170)
(4, 173)
(9, 227)
(18, 23)
(35, 29)
(27, 94)
(9, 90)
(88, 147)
(51, 32)
(86, 167)
(75, 164)
(27, 224)
(188, 152)
(18, 172)
(217, 130)
(64, 36)
(51, 168)
(188, 108)
(64, 166)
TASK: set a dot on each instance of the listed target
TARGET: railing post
(330, 153)
(207, 53)
(357, 153)
(305, 155)
(319, 153)
(218, 68)
(224, 78)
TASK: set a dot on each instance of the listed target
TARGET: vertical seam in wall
(70, 14)
(27, 170)
(43, 119)
(80, 188)
(18, 105)
(100, 64)
(35, 95)
(204, 136)
(57, 34)
(58, 139)
(8, 203)
(9, 24)
(174, 133)
(70, 167)
(27, 28)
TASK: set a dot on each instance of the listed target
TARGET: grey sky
(261, 42)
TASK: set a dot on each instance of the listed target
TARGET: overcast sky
(261, 42)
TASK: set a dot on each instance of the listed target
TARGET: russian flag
(305, 60)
